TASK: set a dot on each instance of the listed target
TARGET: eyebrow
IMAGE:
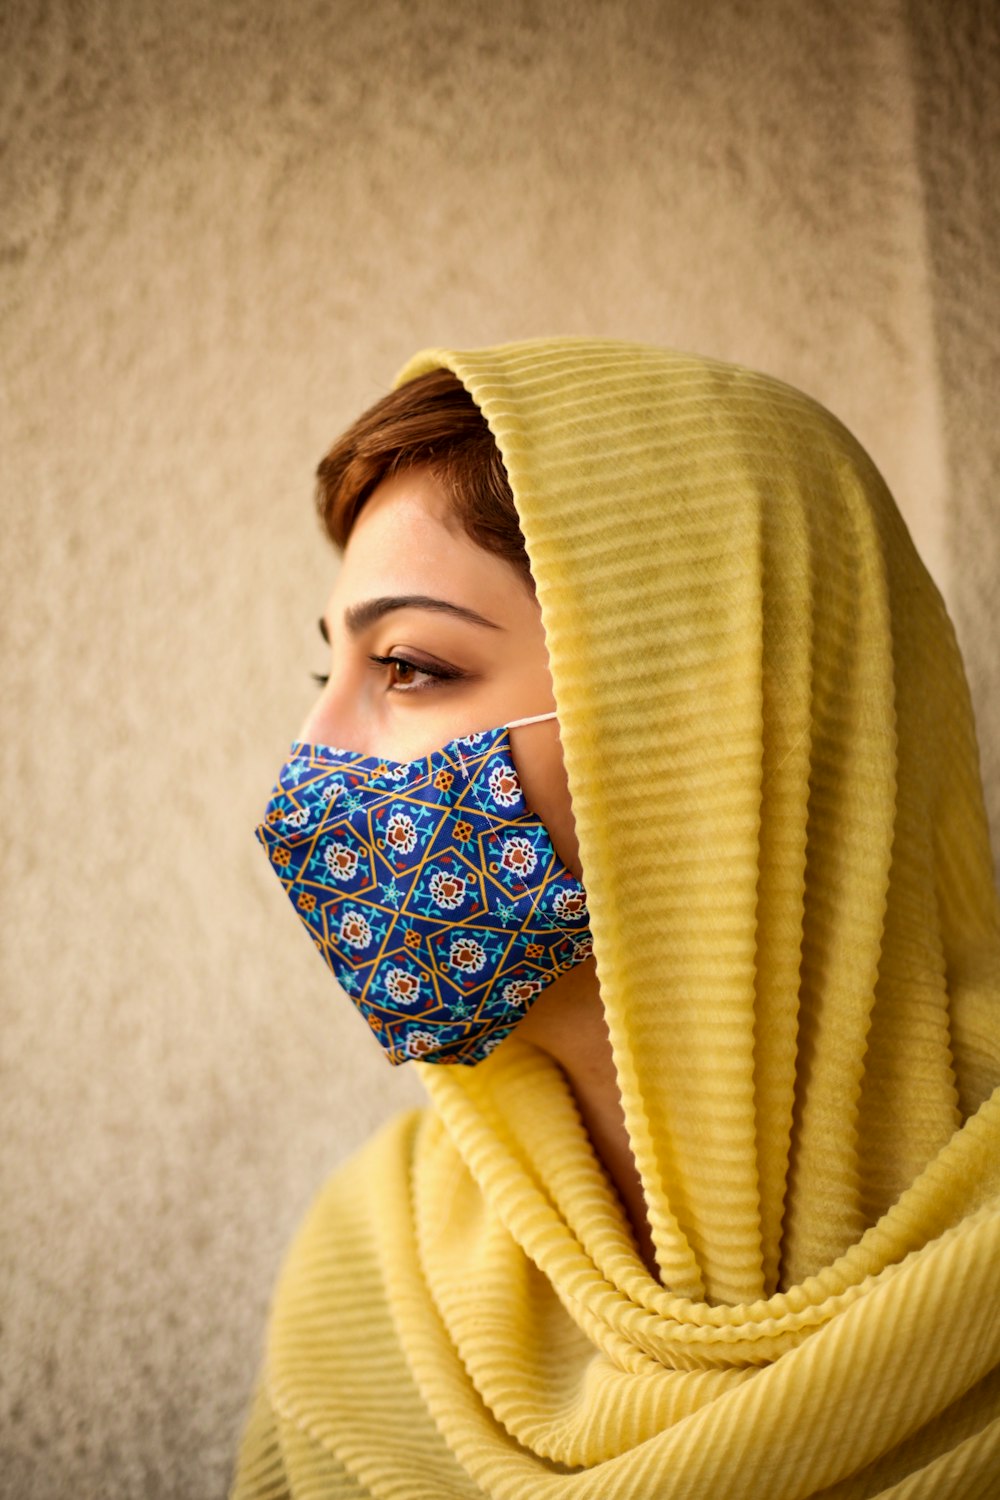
(359, 616)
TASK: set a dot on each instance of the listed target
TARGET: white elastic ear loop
(535, 719)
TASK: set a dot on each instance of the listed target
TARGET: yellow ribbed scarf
(775, 781)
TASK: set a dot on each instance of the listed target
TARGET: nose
(332, 720)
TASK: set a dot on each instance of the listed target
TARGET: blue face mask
(434, 895)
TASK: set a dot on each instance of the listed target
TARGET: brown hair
(431, 422)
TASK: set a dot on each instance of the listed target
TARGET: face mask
(434, 895)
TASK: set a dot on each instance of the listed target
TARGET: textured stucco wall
(224, 227)
(956, 55)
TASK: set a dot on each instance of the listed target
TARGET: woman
(714, 1208)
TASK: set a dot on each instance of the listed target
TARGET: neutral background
(223, 228)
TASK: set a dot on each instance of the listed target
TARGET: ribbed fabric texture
(775, 781)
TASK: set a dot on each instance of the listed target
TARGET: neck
(567, 1022)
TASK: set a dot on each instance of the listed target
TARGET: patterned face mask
(434, 895)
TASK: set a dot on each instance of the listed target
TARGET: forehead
(407, 540)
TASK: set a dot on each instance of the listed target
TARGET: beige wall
(224, 226)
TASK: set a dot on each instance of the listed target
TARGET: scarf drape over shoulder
(775, 782)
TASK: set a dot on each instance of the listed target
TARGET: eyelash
(439, 674)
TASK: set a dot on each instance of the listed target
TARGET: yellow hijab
(775, 781)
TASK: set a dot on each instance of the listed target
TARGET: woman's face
(465, 633)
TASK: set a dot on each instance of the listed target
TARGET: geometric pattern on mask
(433, 894)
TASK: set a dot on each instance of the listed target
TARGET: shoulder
(334, 1343)
(359, 1225)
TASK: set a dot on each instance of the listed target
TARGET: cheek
(546, 790)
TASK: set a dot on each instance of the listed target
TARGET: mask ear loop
(514, 724)
(534, 719)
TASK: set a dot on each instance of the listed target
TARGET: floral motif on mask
(401, 833)
(467, 955)
(402, 986)
(519, 856)
(341, 861)
(522, 991)
(448, 889)
(354, 929)
(419, 1043)
(505, 789)
(569, 904)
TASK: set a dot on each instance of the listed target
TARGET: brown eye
(409, 677)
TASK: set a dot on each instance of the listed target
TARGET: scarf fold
(775, 783)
